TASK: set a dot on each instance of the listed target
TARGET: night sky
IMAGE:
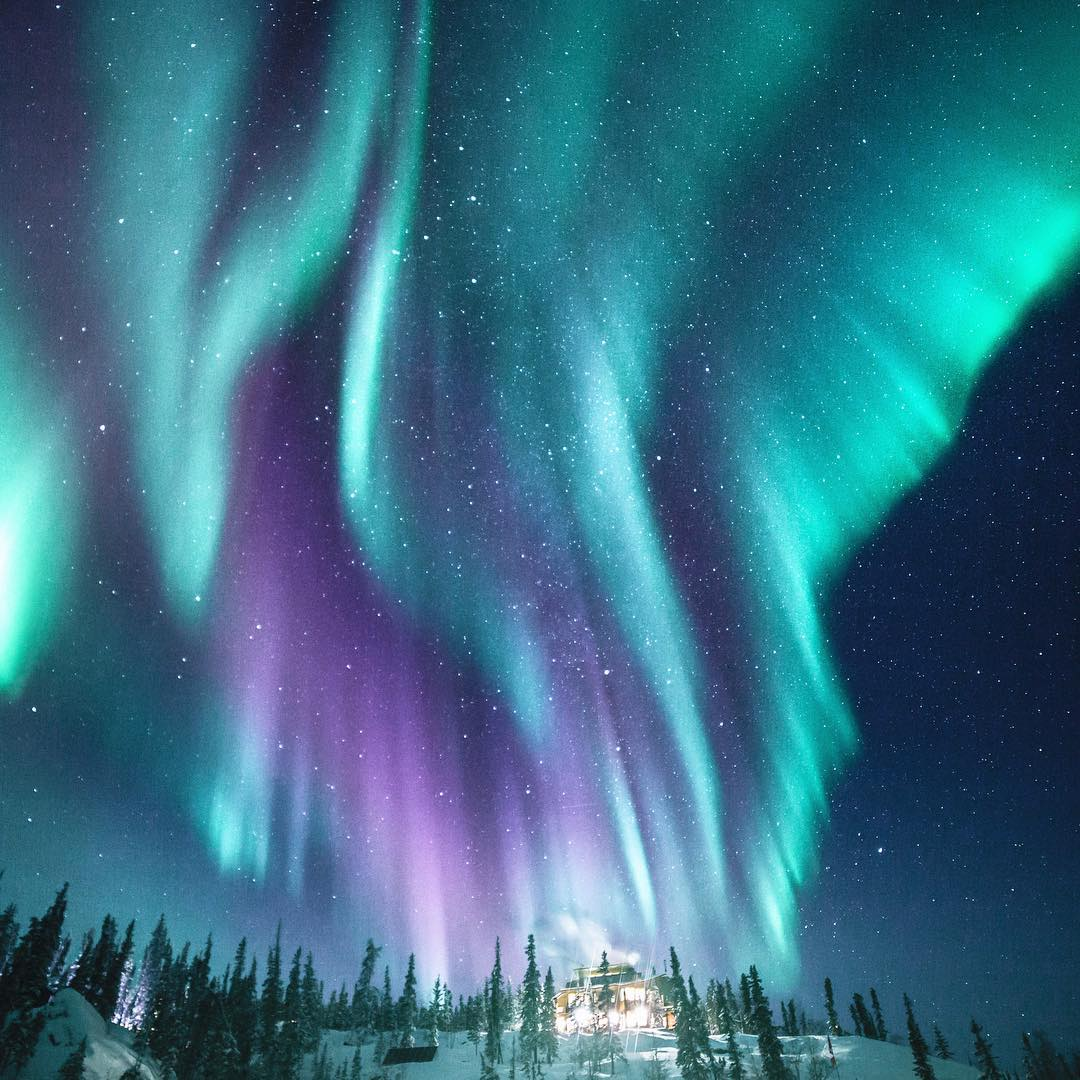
(595, 468)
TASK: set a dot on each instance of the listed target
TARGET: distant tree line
(252, 1023)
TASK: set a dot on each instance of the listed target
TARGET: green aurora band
(562, 245)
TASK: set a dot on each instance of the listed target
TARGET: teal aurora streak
(596, 272)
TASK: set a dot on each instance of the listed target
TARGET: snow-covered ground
(856, 1059)
(69, 1018)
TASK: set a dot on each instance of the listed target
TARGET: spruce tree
(9, 934)
(435, 1013)
(386, 1004)
(604, 999)
(72, 1069)
(56, 976)
(25, 981)
(495, 1011)
(290, 1045)
(856, 1020)
(772, 1054)
(407, 1006)
(154, 958)
(984, 1055)
(688, 1058)
(864, 1022)
(549, 1040)
(241, 1007)
(700, 1022)
(530, 1007)
(879, 1020)
(830, 1009)
(747, 1012)
(364, 999)
(473, 1016)
(20, 1038)
(727, 1029)
(920, 1052)
(114, 974)
(270, 1003)
(310, 1007)
(941, 1047)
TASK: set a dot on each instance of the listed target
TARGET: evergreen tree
(700, 1022)
(355, 1067)
(487, 1069)
(113, 976)
(864, 1022)
(984, 1055)
(25, 980)
(72, 1069)
(772, 1054)
(472, 1031)
(20, 1037)
(495, 1011)
(270, 1003)
(549, 1040)
(290, 1050)
(830, 1009)
(386, 1004)
(311, 1007)
(92, 964)
(941, 1047)
(604, 999)
(9, 934)
(727, 1029)
(688, 1057)
(364, 1001)
(747, 1011)
(241, 1008)
(920, 1052)
(435, 1013)
(56, 977)
(856, 1020)
(879, 1020)
(154, 959)
(407, 1007)
(530, 1008)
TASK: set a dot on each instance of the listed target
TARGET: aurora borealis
(432, 435)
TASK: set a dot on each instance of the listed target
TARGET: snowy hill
(69, 1018)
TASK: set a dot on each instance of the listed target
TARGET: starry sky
(599, 469)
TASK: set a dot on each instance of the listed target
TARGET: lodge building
(636, 1001)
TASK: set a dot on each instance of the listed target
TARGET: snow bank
(69, 1017)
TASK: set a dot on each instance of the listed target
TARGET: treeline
(724, 1013)
(252, 1022)
(257, 1022)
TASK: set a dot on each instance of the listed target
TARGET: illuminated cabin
(638, 1001)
